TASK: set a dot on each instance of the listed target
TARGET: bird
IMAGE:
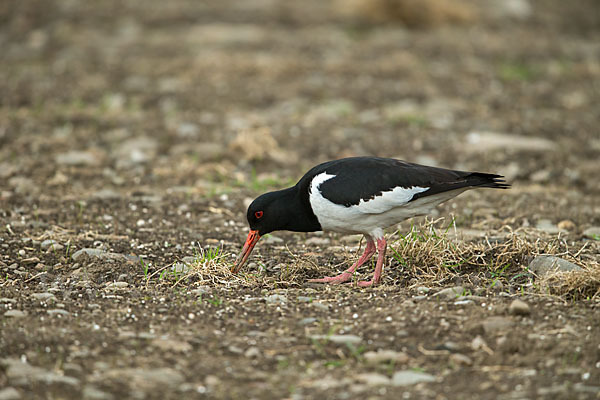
(358, 195)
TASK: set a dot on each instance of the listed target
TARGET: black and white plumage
(358, 195)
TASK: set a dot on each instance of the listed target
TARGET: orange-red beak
(251, 241)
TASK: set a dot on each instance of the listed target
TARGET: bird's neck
(302, 218)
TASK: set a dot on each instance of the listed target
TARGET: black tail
(480, 179)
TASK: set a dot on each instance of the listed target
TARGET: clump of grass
(211, 266)
(574, 285)
(432, 257)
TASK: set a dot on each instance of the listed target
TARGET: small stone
(460, 359)
(450, 293)
(566, 225)
(172, 345)
(92, 393)
(252, 352)
(592, 232)
(496, 324)
(384, 356)
(103, 255)
(106, 194)
(351, 339)
(15, 314)
(59, 312)
(77, 158)
(272, 239)
(180, 268)
(43, 296)
(480, 142)
(373, 379)
(9, 393)
(423, 290)
(276, 299)
(519, 307)
(406, 378)
(543, 265)
(148, 380)
(317, 241)
(48, 244)
(547, 226)
(320, 306)
(307, 321)
(117, 285)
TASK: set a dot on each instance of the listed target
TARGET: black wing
(364, 178)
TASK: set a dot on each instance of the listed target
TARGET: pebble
(480, 142)
(496, 324)
(20, 373)
(543, 265)
(91, 393)
(117, 285)
(352, 339)
(566, 225)
(307, 321)
(252, 352)
(103, 255)
(423, 290)
(450, 293)
(77, 158)
(59, 312)
(460, 359)
(272, 239)
(592, 232)
(135, 151)
(147, 380)
(50, 244)
(276, 299)
(317, 241)
(547, 226)
(43, 296)
(180, 268)
(519, 307)
(15, 314)
(106, 194)
(9, 393)
(373, 379)
(406, 378)
(320, 306)
(384, 356)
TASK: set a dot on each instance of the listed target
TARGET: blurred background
(113, 97)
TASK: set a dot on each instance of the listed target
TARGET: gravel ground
(134, 134)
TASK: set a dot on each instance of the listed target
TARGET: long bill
(251, 241)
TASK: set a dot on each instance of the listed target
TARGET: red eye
(258, 214)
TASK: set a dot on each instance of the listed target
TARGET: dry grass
(428, 255)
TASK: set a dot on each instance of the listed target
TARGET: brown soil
(143, 129)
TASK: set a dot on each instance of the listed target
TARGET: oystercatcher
(358, 195)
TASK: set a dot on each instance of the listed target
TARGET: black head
(267, 213)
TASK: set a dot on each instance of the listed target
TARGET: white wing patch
(368, 217)
(388, 200)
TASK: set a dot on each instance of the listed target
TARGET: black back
(364, 178)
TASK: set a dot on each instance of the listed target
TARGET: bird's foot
(334, 280)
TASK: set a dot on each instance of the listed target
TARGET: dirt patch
(127, 161)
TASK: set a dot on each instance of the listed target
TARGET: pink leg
(347, 275)
(381, 246)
